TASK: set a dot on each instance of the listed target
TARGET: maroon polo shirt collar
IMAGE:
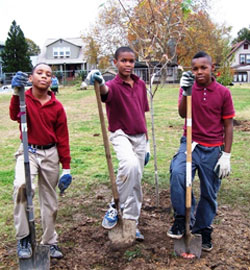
(211, 87)
(121, 81)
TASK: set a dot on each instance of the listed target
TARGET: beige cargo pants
(45, 165)
(130, 151)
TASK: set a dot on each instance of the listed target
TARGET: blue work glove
(65, 180)
(19, 80)
(186, 83)
(95, 75)
(147, 154)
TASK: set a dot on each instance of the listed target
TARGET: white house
(64, 54)
(241, 61)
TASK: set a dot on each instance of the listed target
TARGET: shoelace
(112, 213)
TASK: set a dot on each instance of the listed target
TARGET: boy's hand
(19, 80)
(186, 83)
(95, 75)
(223, 167)
(65, 180)
(147, 154)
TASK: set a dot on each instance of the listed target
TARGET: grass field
(88, 160)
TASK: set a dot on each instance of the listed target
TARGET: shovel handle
(24, 129)
(106, 145)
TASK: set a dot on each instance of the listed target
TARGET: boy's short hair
(202, 54)
(121, 50)
(38, 64)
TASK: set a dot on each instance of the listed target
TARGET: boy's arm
(228, 139)
(182, 108)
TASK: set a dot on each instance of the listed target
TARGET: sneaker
(24, 249)
(206, 239)
(55, 252)
(139, 236)
(178, 229)
(111, 217)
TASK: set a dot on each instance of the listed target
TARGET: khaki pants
(130, 151)
(45, 165)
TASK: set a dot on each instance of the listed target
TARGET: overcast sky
(44, 19)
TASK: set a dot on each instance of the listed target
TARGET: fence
(71, 77)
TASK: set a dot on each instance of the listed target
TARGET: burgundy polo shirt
(126, 105)
(210, 105)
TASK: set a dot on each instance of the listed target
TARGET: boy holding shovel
(212, 134)
(48, 142)
(126, 103)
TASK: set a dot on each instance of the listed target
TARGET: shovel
(40, 259)
(189, 246)
(123, 234)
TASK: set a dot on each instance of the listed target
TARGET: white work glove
(186, 83)
(95, 75)
(223, 167)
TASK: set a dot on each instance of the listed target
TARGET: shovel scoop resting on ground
(40, 259)
(189, 246)
(123, 234)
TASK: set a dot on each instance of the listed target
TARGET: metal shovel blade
(40, 259)
(188, 244)
(123, 234)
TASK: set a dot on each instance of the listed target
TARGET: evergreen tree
(15, 55)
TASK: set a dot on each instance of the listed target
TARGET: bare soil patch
(86, 246)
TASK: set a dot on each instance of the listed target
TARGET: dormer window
(62, 52)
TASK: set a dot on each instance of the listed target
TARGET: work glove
(19, 80)
(65, 180)
(147, 154)
(222, 167)
(95, 75)
(186, 83)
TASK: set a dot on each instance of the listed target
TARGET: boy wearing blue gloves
(126, 103)
(48, 141)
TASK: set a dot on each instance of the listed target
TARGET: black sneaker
(55, 252)
(24, 250)
(178, 229)
(206, 239)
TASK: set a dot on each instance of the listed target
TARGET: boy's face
(125, 63)
(41, 77)
(202, 69)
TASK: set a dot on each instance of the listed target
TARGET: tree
(33, 49)
(243, 34)
(15, 55)
(201, 34)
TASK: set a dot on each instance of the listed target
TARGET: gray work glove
(19, 80)
(186, 83)
(95, 75)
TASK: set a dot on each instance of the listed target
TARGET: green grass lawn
(88, 159)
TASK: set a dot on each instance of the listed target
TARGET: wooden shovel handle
(106, 145)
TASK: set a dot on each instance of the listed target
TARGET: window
(248, 58)
(62, 52)
(242, 59)
(245, 46)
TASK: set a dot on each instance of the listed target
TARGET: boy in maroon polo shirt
(212, 135)
(126, 103)
(48, 141)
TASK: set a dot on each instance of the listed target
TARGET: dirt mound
(86, 246)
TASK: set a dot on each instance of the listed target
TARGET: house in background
(64, 55)
(241, 61)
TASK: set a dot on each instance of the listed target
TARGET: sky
(44, 19)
